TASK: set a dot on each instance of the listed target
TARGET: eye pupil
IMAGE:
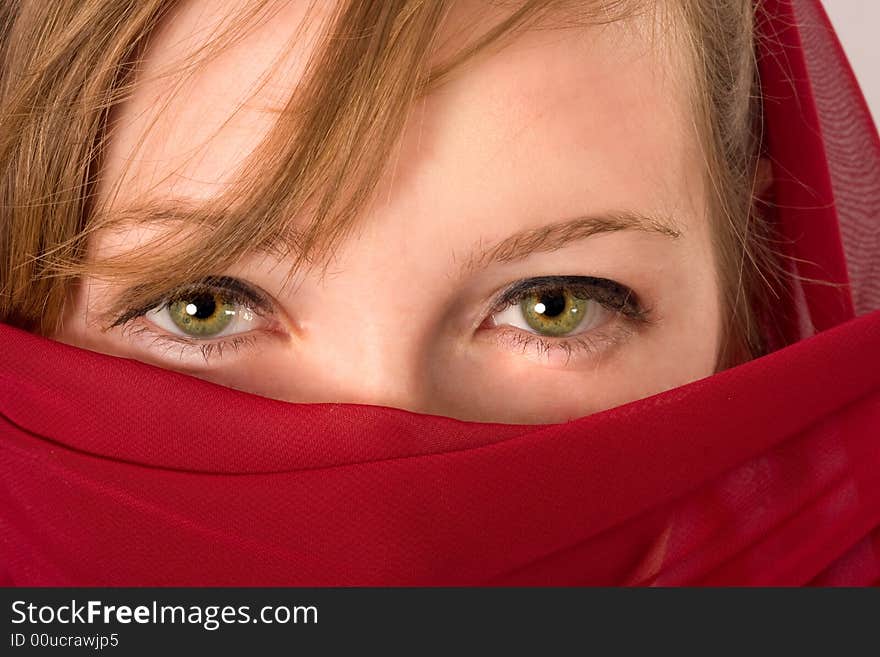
(201, 306)
(551, 305)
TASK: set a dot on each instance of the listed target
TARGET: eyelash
(208, 350)
(231, 289)
(611, 295)
(608, 293)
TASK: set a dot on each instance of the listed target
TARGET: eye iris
(553, 313)
(203, 314)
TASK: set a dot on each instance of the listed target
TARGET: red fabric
(115, 472)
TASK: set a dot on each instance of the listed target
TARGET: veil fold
(767, 473)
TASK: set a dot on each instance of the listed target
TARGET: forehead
(597, 105)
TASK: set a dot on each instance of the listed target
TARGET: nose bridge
(382, 372)
(365, 355)
(370, 324)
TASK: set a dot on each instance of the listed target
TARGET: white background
(857, 23)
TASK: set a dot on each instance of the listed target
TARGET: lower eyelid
(182, 350)
(585, 348)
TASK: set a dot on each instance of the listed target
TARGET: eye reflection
(555, 312)
(558, 306)
(212, 308)
(203, 315)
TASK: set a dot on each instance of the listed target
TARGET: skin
(559, 124)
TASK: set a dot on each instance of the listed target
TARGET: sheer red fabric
(767, 473)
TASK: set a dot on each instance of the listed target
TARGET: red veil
(115, 472)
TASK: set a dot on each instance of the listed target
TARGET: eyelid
(586, 347)
(234, 288)
(608, 293)
(138, 325)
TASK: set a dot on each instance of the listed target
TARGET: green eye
(202, 314)
(554, 312)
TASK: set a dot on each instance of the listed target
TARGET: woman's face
(539, 248)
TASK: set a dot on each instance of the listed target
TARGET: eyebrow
(518, 246)
(555, 236)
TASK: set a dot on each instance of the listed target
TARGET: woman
(592, 201)
(566, 224)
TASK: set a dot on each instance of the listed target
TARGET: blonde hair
(67, 65)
